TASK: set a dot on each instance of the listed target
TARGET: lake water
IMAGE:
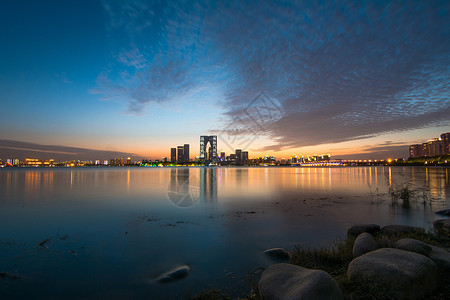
(107, 233)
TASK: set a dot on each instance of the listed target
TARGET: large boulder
(364, 243)
(286, 281)
(399, 229)
(444, 212)
(397, 273)
(358, 229)
(442, 224)
(440, 256)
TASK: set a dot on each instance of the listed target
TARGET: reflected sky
(119, 228)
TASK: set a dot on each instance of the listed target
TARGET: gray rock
(175, 274)
(399, 229)
(364, 243)
(444, 212)
(358, 229)
(440, 256)
(286, 281)
(278, 253)
(400, 274)
(442, 224)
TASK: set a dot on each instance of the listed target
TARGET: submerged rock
(440, 256)
(444, 212)
(286, 281)
(398, 273)
(364, 243)
(175, 274)
(358, 229)
(399, 229)
(278, 253)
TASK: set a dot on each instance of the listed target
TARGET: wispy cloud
(342, 70)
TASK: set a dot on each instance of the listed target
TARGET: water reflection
(188, 186)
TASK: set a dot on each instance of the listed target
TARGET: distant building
(173, 155)
(238, 157)
(222, 156)
(128, 160)
(180, 152)
(245, 157)
(186, 153)
(433, 147)
(208, 154)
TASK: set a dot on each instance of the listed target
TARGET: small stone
(401, 274)
(175, 274)
(278, 253)
(364, 243)
(399, 229)
(358, 229)
(286, 281)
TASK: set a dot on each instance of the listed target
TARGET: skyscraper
(244, 157)
(238, 157)
(211, 154)
(186, 153)
(173, 155)
(180, 154)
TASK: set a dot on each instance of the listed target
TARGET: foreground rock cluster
(410, 269)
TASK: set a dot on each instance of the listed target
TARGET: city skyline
(356, 80)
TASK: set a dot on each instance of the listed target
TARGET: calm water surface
(107, 233)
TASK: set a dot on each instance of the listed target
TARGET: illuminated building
(105, 162)
(244, 157)
(222, 156)
(34, 162)
(208, 154)
(180, 150)
(238, 157)
(112, 162)
(173, 155)
(129, 161)
(186, 153)
(433, 147)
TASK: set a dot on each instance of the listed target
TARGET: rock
(278, 253)
(364, 243)
(175, 274)
(398, 273)
(286, 281)
(440, 256)
(442, 224)
(358, 229)
(444, 212)
(399, 229)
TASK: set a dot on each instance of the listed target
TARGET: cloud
(342, 70)
(21, 150)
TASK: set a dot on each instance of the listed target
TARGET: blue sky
(363, 78)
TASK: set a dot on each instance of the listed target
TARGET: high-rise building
(222, 156)
(433, 147)
(186, 153)
(445, 138)
(180, 150)
(238, 157)
(244, 157)
(128, 160)
(208, 154)
(173, 155)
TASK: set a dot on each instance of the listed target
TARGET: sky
(361, 79)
